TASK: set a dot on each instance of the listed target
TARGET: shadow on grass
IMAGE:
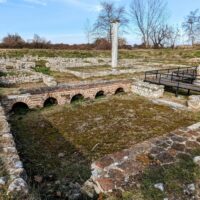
(51, 162)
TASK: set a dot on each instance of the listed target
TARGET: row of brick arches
(21, 107)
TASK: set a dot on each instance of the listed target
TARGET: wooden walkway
(178, 78)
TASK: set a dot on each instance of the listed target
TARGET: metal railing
(176, 77)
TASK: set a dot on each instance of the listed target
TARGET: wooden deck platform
(178, 78)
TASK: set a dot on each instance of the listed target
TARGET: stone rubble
(16, 174)
(171, 104)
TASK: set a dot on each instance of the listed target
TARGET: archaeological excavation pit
(57, 145)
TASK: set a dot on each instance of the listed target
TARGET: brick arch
(50, 101)
(119, 90)
(55, 96)
(100, 93)
(25, 101)
(16, 106)
(76, 97)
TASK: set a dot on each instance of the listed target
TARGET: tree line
(148, 19)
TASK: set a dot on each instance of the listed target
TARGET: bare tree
(39, 42)
(148, 17)
(191, 26)
(88, 29)
(174, 36)
(13, 41)
(109, 12)
(160, 35)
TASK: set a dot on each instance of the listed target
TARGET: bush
(41, 67)
(102, 44)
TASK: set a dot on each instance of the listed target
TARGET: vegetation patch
(175, 178)
(197, 54)
(11, 73)
(3, 74)
(41, 67)
(53, 53)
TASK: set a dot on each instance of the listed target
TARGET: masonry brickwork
(64, 93)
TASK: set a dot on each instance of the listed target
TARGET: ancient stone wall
(59, 63)
(120, 170)
(27, 77)
(64, 94)
(20, 79)
(115, 72)
(147, 90)
(16, 179)
(24, 63)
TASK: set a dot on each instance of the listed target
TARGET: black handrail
(176, 76)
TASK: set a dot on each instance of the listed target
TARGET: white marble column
(115, 26)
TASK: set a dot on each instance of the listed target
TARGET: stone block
(147, 90)
(193, 102)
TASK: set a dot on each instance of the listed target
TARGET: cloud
(38, 2)
(95, 7)
(3, 1)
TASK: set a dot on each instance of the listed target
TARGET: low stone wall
(120, 170)
(16, 179)
(28, 77)
(193, 102)
(147, 90)
(24, 63)
(12, 80)
(49, 80)
(84, 75)
(59, 63)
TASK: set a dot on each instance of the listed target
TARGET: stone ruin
(21, 71)
(114, 171)
(16, 179)
(120, 170)
(147, 90)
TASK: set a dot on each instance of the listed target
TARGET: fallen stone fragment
(194, 102)
(196, 160)
(2, 181)
(88, 189)
(190, 189)
(38, 179)
(61, 155)
(18, 187)
(159, 186)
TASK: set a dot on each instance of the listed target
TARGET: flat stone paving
(117, 171)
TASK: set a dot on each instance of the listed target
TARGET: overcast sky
(63, 20)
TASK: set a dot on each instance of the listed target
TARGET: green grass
(3, 74)
(53, 53)
(197, 54)
(128, 54)
(174, 177)
(41, 67)
(11, 73)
